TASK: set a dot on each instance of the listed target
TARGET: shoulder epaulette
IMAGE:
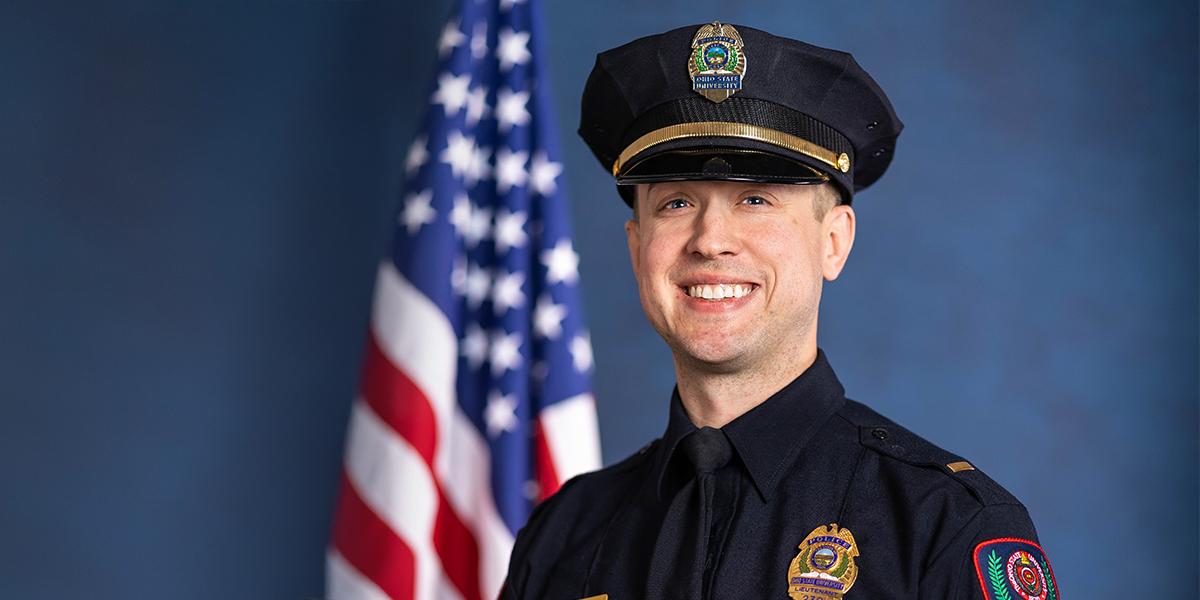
(882, 435)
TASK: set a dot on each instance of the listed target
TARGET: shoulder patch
(1014, 569)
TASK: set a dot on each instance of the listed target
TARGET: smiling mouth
(719, 291)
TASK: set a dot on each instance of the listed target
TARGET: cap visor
(745, 161)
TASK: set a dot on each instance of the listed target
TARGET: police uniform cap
(803, 114)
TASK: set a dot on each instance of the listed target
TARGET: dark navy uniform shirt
(926, 524)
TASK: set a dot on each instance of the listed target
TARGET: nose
(714, 232)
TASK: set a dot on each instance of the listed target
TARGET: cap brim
(728, 159)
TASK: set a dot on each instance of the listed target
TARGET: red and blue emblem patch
(1014, 569)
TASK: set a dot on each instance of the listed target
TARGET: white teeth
(719, 291)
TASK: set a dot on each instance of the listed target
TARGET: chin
(711, 355)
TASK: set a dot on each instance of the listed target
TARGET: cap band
(694, 108)
(746, 131)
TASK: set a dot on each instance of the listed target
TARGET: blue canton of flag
(482, 273)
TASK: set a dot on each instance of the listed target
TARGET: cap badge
(825, 567)
(717, 64)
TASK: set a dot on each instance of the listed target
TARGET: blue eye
(755, 200)
(676, 203)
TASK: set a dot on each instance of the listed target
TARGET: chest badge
(825, 567)
(717, 63)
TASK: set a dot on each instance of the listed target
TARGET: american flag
(475, 402)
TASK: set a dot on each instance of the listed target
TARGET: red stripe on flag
(458, 550)
(398, 401)
(370, 546)
(547, 474)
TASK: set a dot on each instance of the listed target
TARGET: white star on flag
(458, 275)
(451, 38)
(479, 45)
(479, 226)
(452, 92)
(477, 107)
(475, 346)
(417, 154)
(501, 413)
(543, 173)
(505, 352)
(510, 230)
(510, 169)
(581, 352)
(459, 152)
(479, 282)
(562, 263)
(510, 109)
(512, 48)
(506, 292)
(548, 317)
(479, 168)
(418, 211)
(460, 214)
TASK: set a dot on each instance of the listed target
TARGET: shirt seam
(978, 512)
(862, 452)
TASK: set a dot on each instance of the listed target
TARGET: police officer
(739, 153)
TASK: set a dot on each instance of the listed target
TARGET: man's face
(730, 273)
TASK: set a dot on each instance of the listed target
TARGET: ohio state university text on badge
(710, 82)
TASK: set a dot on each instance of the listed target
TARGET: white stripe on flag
(468, 488)
(344, 582)
(393, 480)
(572, 436)
(418, 339)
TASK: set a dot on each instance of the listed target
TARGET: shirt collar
(768, 437)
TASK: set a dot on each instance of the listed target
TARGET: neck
(714, 398)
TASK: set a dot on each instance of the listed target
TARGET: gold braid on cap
(744, 131)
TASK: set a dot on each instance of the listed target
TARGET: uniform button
(879, 433)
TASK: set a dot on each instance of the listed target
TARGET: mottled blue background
(195, 199)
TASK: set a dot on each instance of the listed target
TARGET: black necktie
(680, 557)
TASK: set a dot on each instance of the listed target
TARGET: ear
(837, 239)
(633, 237)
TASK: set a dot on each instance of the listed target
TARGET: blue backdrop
(195, 198)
